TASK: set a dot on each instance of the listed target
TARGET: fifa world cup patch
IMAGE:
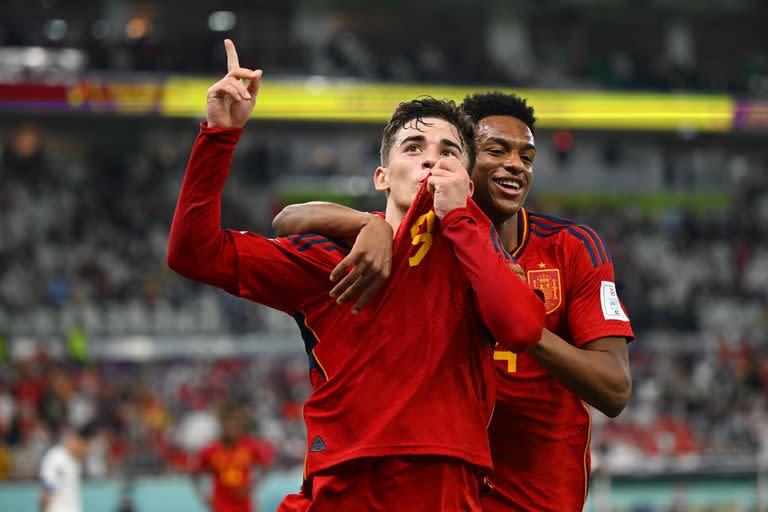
(609, 300)
(547, 281)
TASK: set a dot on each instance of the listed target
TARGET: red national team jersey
(412, 373)
(540, 431)
(231, 467)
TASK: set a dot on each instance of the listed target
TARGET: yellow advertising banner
(319, 99)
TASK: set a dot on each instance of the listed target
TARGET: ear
(471, 188)
(381, 179)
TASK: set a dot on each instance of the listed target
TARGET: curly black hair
(482, 105)
(424, 107)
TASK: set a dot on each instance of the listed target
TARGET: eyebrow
(421, 138)
(508, 145)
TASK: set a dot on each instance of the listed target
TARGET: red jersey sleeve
(281, 273)
(509, 307)
(284, 273)
(594, 308)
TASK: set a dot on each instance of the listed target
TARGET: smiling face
(417, 147)
(503, 172)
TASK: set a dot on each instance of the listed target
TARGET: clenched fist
(449, 185)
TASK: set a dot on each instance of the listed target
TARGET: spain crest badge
(548, 282)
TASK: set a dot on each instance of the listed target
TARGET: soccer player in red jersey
(541, 426)
(231, 460)
(540, 430)
(403, 391)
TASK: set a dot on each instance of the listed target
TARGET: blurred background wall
(653, 125)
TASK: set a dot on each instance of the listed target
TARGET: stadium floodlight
(137, 27)
(71, 59)
(56, 29)
(34, 57)
(222, 21)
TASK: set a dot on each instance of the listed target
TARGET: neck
(508, 231)
(69, 446)
(394, 215)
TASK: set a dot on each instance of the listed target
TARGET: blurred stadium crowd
(151, 414)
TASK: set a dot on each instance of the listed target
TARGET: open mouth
(510, 185)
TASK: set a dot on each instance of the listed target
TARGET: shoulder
(576, 239)
(258, 442)
(56, 460)
(209, 448)
(316, 250)
(314, 243)
(55, 454)
(262, 451)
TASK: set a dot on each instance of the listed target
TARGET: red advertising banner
(122, 97)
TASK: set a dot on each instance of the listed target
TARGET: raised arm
(280, 273)
(198, 248)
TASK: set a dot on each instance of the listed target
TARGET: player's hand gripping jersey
(412, 373)
(540, 431)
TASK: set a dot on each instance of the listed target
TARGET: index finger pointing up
(232, 62)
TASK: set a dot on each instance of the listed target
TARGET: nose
(513, 163)
(428, 162)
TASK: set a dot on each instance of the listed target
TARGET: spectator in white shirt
(60, 471)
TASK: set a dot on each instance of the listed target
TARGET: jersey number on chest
(424, 239)
(509, 357)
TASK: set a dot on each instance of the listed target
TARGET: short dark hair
(424, 107)
(87, 431)
(486, 104)
(231, 410)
